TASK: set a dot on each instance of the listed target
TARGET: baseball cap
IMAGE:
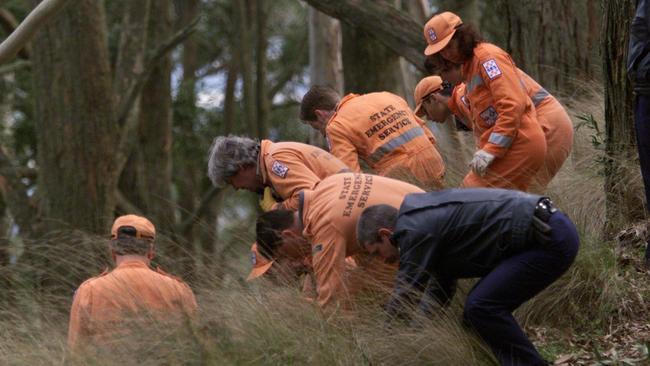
(426, 86)
(143, 227)
(439, 30)
(260, 264)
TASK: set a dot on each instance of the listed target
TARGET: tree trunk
(325, 63)
(155, 135)
(391, 27)
(623, 204)
(75, 125)
(378, 71)
(246, 62)
(261, 92)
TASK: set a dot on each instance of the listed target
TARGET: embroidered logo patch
(432, 35)
(489, 116)
(279, 169)
(253, 258)
(317, 248)
(492, 69)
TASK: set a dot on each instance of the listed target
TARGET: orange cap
(260, 263)
(425, 87)
(439, 30)
(143, 227)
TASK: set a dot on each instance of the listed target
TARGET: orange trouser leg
(425, 169)
(558, 130)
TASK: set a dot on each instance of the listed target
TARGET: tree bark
(325, 62)
(623, 204)
(261, 15)
(155, 138)
(246, 62)
(75, 124)
(391, 27)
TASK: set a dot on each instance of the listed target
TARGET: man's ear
(385, 232)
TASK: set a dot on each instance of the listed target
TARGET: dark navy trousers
(642, 126)
(512, 282)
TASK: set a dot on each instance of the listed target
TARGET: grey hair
(228, 154)
(372, 219)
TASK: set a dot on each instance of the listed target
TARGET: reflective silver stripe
(499, 139)
(393, 144)
(539, 96)
(475, 81)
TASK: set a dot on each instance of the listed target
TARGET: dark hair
(372, 219)
(268, 227)
(127, 243)
(468, 38)
(318, 97)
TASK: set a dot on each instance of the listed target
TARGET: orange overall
(329, 216)
(381, 129)
(503, 120)
(552, 117)
(110, 305)
(290, 167)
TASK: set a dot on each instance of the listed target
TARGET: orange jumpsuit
(552, 117)
(503, 120)
(329, 216)
(290, 167)
(381, 129)
(110, 305)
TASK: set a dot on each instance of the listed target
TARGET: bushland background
(111, 108)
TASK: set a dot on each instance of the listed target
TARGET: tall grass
(267, 323)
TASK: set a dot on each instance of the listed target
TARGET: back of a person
(319, 161)
(388, 137)
(133, 298)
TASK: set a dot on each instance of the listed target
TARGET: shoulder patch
(492, 69)
(489, 115)
(317, 248)
(279, 169)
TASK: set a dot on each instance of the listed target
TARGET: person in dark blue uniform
(516, 243)
(638, 69)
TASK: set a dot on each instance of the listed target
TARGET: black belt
(544, 209)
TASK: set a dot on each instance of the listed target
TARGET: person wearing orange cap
(271, 169)
(112, 305)
(551, 115)
(378, 128)
(512, 147)
(324, 228)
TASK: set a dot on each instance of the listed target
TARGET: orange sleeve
(79, 317)
(328, 261)
(342, 147)
(502, 80)
(291, 179)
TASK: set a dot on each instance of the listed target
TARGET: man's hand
(480, 162)
(267, 201)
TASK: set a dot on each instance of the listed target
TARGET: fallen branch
(26, 30)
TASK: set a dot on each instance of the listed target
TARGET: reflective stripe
(475, 81)
(539, 96)
(393, 144)
(499, 139)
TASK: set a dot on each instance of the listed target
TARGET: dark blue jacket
(638, 59)
(456, 233)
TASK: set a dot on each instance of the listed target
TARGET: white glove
(481, 161)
